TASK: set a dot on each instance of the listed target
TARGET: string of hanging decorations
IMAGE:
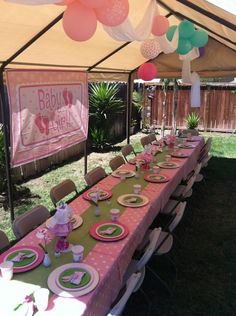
(81, 17)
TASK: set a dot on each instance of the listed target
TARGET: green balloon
(184, 46)
(186, 29)
(199, 38)
(170, 32)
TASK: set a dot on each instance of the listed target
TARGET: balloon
(186, 29)
(170, 32)
(150, 49)
(94, 3)
(184, 46)
(199, 39)
(114, 13)
(65, 2)
(79, 22)
(147, 71)
(160, 25)
(201, 52)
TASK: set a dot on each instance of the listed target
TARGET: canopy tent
(33, 37)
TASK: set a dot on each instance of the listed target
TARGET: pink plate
(96, 229)
(179, 155)
(39, 255)
(156, 178)
(192, 140)
(104, 196)
(136, 160)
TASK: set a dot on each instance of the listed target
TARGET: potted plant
(192, 121)
(104, 106)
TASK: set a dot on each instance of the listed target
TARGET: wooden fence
(217, 111)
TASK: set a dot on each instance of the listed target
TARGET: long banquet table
(109, 259)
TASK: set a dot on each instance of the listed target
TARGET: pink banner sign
(49, 112)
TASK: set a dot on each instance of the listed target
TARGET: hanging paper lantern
(65, 2)
(171, 31)
(160, 25)
(114, 13)
(94, 3)
(201, 52)
(186, 29)
(150, 49)
(184, 46)
(79, 22)
(199, 38)
(147, 71)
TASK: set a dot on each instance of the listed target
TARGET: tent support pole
(128, 108)
(85, 158)
(3, 102)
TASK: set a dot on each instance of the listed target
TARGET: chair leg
(163, 283)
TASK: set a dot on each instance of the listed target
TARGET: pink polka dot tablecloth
(112, 259)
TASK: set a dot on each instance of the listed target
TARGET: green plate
(66, 284)
(25, 262)
(116, 233)
(138, 200)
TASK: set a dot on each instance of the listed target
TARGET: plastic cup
(78, 253)
(167, 158)
(115, 212)
(41, 299)
(7, 270)
(122, 177)
(137, 188)
(156, 169)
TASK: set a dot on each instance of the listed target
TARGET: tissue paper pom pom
(150, 49)
(147, 71)
(114, 13)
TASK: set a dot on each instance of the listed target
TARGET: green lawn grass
(204, 254)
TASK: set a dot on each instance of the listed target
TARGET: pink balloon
(94, 3)
(79, 22)
(160, 25)
(65, 2)
(114, 13)
(147, 71)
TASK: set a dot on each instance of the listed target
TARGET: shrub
(192, 120)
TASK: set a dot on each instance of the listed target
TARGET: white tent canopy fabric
(44, 44)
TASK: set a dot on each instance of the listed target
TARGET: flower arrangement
(42, 234)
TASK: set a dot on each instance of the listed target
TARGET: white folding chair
(131, 286)
(184, 191)
(139, 265)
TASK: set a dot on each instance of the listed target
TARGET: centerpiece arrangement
(61, 225)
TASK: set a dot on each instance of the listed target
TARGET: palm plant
(138, 100)
(104, 106)
(192, 120)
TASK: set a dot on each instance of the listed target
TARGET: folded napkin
(108, 231)
(131, 200)
(74, 278)
(21, 256)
